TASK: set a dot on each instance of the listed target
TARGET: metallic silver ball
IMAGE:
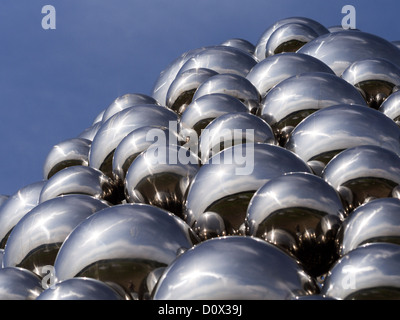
(366, 171)
(47, 226)
(65, 154)
(80, 289)
(375, 221)
(19, 284)
(90, 132)
(210, 225)
(328, 131)
(242, 44)
(234, 268)
(123, 244)
(340, 49)
(369, 272)
(391, 107)
(16, 206)
(274, 69)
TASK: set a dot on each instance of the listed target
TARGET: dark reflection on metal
(19, 284)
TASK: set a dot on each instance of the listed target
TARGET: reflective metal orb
(90, 132)
(80, 289)
(160, 176)
(234, 175)
(47, 226)
(121, 124)
(80, 180)
(369, 272)
(391, 107)
(274, 69)
(328, 131)
(234, 268)
(210, 225)
(19, 284)
(123, 244)
(340, 49)
(365, 171)
(242, 44)
(16, 206)
(65, 154)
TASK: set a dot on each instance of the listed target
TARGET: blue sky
(53, 83)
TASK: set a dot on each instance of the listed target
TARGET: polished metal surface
(231, 129)
(3, 199)
(80, 180)
(160, 176)
(47, 226)
(298, 203)
(16, 206)
(396, 43)
(295, 98)
(80, 289)
(182, 89)
(239, 43)
(65, 154)
(328, 131)
(366, 171)
(375, 221)
(260, 51)
(369, 272)
(274, 69)
(234, 268)
(90, 132)
(121, 124)
(123, 244)
(391, 107)
(340, 49)
(19, 284)
(234, 175)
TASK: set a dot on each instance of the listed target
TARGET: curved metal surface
(234, 268)
(241, 44)
(90, 132)
(391, 107)
(19, 284)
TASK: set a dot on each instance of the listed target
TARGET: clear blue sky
(53, 83)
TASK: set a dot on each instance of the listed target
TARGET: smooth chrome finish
(233, 85)
(3, 199)
(210, 225)
(241, 44)
(47, 226)
(90, 132)
(367, 171)
(123, 244)
(274, 69)
(340, 49)
(369, 272)
(80, 289)
(261, 53)
(19, 284)
(119, 126)
(231, 129)
(234, 268)
(65, 154)
(16, 206)
(160, 176)
(375, 221)
(391, 107)
(80, 180)
(182, 89)
(289, 38)
(295, 98)
(328, 131)
(234, 175)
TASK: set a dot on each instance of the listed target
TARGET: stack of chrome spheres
(268, 171)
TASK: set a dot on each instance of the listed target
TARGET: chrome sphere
(375, 221)
(233, 85)
(369, 272)
(299, 204)
(16, 206)
(160, 176)
(261, 52)
(234, 268)
(234, 175)
(90, 132)
(19, 284)
(80, 289)
(364, 171)
(121, 124)
(123, 244)
(328, 131)
(241, 44)
(340, 49)
(182, 89)
(391, 107)
(47, 226)
(274, 69)
(65, 154)
(81, 180)
(231, 129)
(210, 225)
